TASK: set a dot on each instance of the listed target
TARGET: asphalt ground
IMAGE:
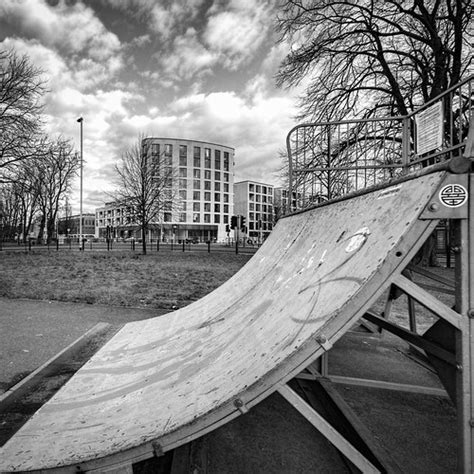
(416, 431)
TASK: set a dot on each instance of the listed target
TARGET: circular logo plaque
(453, 195)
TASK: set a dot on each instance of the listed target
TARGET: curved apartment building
(203, 198)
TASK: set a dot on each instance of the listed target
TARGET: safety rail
(327, 160)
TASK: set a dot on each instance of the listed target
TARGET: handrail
(328, 159)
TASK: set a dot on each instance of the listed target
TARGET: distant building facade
(68, 226)
(254, 201)
(282, 203)
(204, 194)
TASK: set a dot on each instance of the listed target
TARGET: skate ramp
(160, 383)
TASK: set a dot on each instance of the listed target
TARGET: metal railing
(327, 160)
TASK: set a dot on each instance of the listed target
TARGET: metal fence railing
(327, 160)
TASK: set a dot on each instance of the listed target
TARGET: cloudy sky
(196, 69)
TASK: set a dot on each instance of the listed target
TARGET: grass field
(160, 280)
(163, 280)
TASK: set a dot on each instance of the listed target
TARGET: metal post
(81, 120)
(406, 144)
(464, 268)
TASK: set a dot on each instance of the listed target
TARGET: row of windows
(183, 194)
(260, 207)
(207, 207)
(198, 183)
(260, 226)
(216, 218)
(257, 188)
(257, 217)
(220, 160)
(260, 198)
(183, 173)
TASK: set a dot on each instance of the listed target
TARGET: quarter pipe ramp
(160, 383)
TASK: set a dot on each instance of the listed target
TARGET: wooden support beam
(428, 301)
(438, 392)
(412, 338)
(327, 430)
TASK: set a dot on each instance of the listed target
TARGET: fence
(327, 160)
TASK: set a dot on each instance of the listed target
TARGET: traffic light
(233, 222)
(242, 223)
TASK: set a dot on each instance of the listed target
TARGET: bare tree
(367, 58)
(54, 175)
(146, 184)
(21, 90)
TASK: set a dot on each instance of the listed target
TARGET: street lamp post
(80, 120)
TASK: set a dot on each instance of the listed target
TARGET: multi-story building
(68, 226)
(202, 191)
(282, 206)
(254, 201)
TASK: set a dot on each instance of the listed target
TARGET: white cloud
(71, 33)
(188, 58)
(238, 30)
(69, 28)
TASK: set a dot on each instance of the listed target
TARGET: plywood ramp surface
(161, 382)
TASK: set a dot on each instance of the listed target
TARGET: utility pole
(80, 120)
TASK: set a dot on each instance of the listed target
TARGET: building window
(226, 209)
(217, 218)
(207, 174)
(226, 177)
(207, 196)
(217, 196)
(217, 176)
(167, 216)
(252, 188)
(226, 219)
(183, 172)
(197, 156)
(207, 185)
(207, 157)
(197, 184)
(257, 207)
(217, 208)
(217, 159)
(196, 195)
(226, 161)
(155, 149)
(182, 217)
(226, 188)
(196, 217)
(217, 186)
(196, 206)
(226, 198)
(183, 155)
(207, 207)
(182, 183)
(207, 218)
(251, 206)
(197, 173)
(183, 195)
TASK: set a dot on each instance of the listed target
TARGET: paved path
(31, 332)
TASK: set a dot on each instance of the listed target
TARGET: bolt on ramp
(160, 383)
